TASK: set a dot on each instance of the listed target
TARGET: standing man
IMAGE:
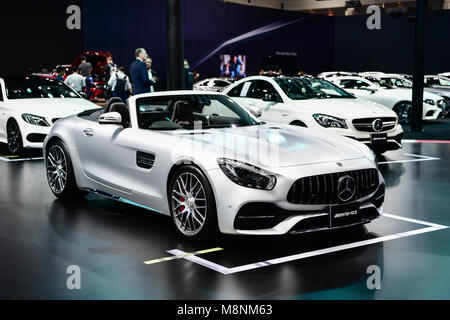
(86, 69)
(109, 68)
(120, 85)
(75, 80)
(188, 76)
(139, 73)
(148, 62)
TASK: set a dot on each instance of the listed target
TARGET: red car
(98, 61)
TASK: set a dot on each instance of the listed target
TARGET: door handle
(88, 132)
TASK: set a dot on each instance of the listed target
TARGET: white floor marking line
(200, 261)
(182, 256)
(415, 221)
(224, 270)
(19, 160)
(421, 158)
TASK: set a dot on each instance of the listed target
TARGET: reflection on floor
(41, 237)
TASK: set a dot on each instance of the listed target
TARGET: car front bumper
(33, 136)
(431, 112)
(242, 210)
(393, 142)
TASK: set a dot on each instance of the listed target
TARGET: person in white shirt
(120, 84)
(76, 81)
(148, 62)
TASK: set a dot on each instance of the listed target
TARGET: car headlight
(369, 153)
(429, 101)
(36, 120)
(247, 175)
(329, 121)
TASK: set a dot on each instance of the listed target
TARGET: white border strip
(224, 270)
(20, 159)
(420, 158)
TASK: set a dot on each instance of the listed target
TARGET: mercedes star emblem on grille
(346, 188)
(377, 125)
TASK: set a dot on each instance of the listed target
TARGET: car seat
(122, 109)
(110, 102)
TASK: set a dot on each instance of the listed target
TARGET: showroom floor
(110, 241)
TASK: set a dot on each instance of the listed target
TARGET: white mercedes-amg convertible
(212, 166)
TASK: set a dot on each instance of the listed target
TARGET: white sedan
(210, 165)
(30, 105)
(397, 99)
(316, 103)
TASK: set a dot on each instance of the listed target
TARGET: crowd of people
(141, 78)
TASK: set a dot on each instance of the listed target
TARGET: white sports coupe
(397, 99)
(210, 165)
(30, 105)
(213, 84)
(317, 103)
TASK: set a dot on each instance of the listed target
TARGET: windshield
(397, 82)
(309, 88)
(380, 82)
(438, 81)
(36, 87)
(199, 111)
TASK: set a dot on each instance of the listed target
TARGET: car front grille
(366, 124)
(323, 189)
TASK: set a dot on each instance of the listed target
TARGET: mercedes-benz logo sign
(346, 188)
(377, 125)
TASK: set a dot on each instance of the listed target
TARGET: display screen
(233, 66)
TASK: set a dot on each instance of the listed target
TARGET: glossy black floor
(40, 237)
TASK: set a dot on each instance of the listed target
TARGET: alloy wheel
(56, 169)
(189, 204)
(14, 139)
(404, 112)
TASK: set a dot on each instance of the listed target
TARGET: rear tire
(14, 137)
(192, 205)
(60, 175)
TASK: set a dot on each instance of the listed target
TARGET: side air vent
(145, 160)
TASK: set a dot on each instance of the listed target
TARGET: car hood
(346, 108)
(52, 108)
(272, 145)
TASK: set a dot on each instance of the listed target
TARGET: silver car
(212, 166)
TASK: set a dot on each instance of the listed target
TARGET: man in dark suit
(139, 73)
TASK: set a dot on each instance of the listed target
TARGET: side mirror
(372, 91)
(110, 118)
(255, 111)
(271, 97)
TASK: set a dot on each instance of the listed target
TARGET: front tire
(192, 205)
(403, 111)
(14, 137)
(60, 176)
